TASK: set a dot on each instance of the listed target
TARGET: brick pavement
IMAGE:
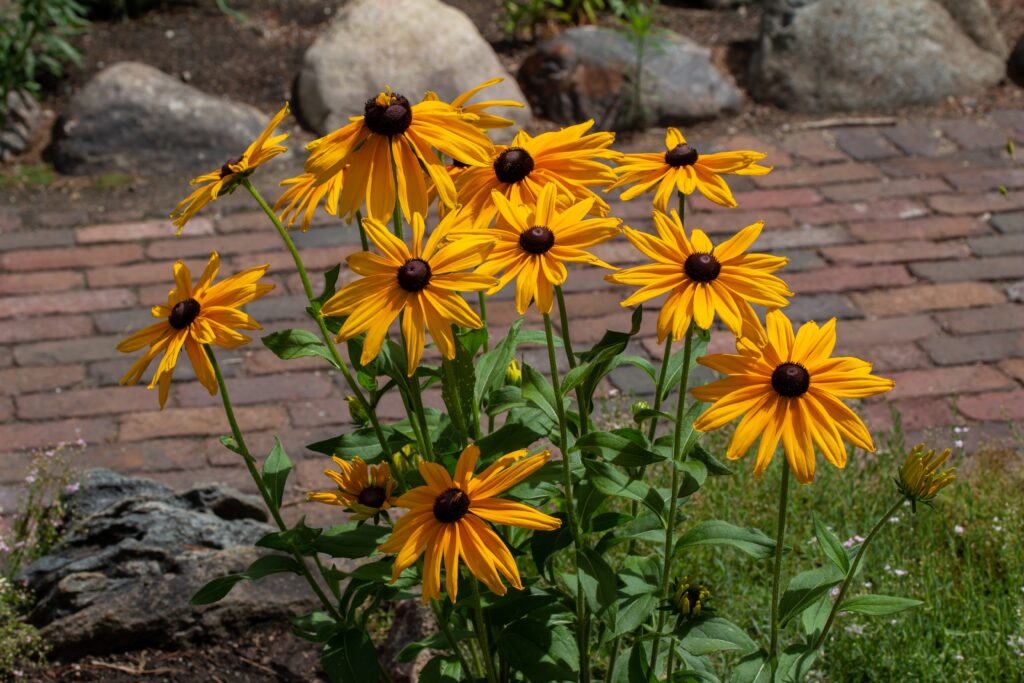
(910, 234)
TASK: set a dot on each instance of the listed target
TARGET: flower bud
(690, 598)
(919, 478)
(357, 412)
(513, 375)
(639, 407)
(407, 459)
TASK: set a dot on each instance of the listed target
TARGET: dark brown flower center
(513, 165)
(451, 506)
(183, 313)
(372, 496)
(414, 275)
(791, 380)
(702, 267)
(225, 170)
(537, 240)
(388, 120)
(681, 155)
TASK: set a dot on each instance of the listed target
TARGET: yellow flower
(682, 168)
(703, 279)
(478, 117)
(567, 158)
(227, 177)
(514, 374)
(192, 317)
(448, 517)
(535, 242)
(364, 489)
(789, 388)
(424, 282)
(690, 598)
(304, 195)
(919, 480)
(392, 130)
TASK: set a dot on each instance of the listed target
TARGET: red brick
(962, 379)
(886, 358)
(919, 298)
(987, 180)
(801, 237)
(250, 390)
(919, 139)
(140, 274)
(21, 436)
(61, 219)
(181, 422)
(997, 245)
(916, 414)
(973, 134)
(1014, 367)
(245, 221)
(183, 247)
(16, 381)
(735, 220)
(924, 166)
(929, 228)
(996, 406)
(977, 203)
(33, 283)
(776, 156)
(763, 199)
(6, 409)
(263, 362)
(847, 278)
(886, 209)
(68, 351)
(974, 348)
(81, 257)
(814, 146)
(67, 302)
(855, 333)
(85, 402)
(988, 319)
(996, 268)
(865, 143)
(894, 252)
(38, 329)
(886, 188)
(320, 414)
(281, 260)
(817, 176)
(141, 230)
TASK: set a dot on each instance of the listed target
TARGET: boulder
(132, 117)
(133, 555)
(23, 118)
(410, 45)
(822, 55)
(589, 72)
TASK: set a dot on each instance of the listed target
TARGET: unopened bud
(513, 374)
(357, 412)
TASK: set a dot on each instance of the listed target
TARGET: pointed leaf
(276, 468)
(878, 605)
(831, 546)
(751, 541)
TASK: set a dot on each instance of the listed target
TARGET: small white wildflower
(72, 488)
(834, 592)
(997, 527)
(855, 629)
(959, 443)
(895, 519)
(856, 539)
(900, 572)
(959, 530)
(869, 585)
(958, 657)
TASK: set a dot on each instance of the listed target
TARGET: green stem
(853, 571)
(324, 332)
(670, 526)
(362, 231)
(582, 630)
(396, 217)
(682, 207)
(773, 649)
(582, 405)
(482, 298)
(659, 389)
(481, 634)
(446, 629)
(250, 463)
(460, 417)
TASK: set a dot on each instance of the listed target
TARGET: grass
(963, 557)
(27, 175)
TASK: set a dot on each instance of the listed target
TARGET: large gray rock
(820, 55)
(411, 45)
(589, 72)
(132, 117)
(134, 554)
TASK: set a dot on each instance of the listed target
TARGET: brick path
(901, 232)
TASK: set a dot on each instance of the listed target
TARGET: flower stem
(481, 634)
(659, 389)
(582, 624)
(682, 207)
(460, 417)
(482, 298)
(324, 332)
(773, 650)
(250, 463)
(670, 526)
(362, 231)
(853, 571)
(582, 405)
(446, 629)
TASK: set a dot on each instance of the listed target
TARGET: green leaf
(805, 588)
(442, 669)
(362, 443)
(527, 428)
(229, 443)
(490, 369)
(813, 619)
(597, 579)
(626, 447)
(831, 546)
(216, 589)
(298, 539)
(612, 482)
(350, 540)
(350, 656)
(459, 397)
(544, 544)
(541, 651)
(705, 635)
(795, 663)
(316, 627)
(716, 467)
(437, 641)
(539, 392)
(288, 344)
(753, 668)
(330, 284)
(634, 610)
(878, 605)
(751, 541)
(276, 468)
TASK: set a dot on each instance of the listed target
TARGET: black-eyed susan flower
(226, 178)
(535, 241)
(920, 479)
(364, 489)
(477, 111)
(425, 282)
(194, 316)
(567, 158)
(393, 131)
(682, 168)
(448, 522)
(790, 389)
(304, 195)
(690, 599)
(704, 280)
